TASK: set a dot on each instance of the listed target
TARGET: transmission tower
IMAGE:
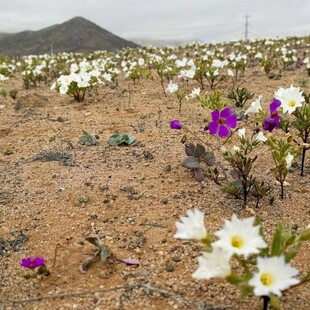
(246, 27)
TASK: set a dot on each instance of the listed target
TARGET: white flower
(273, 276)
(260, 137)
(240, 237)
(258, 55)
(83, 82)
(236, 149)
(53, 86)
(172, 87)
(190, 73)
(2, 77)
(255, 106)
(241, 133)
(289, 159)
(181, 63)
(213, 265)
(223, 149)
(141, 61)
(63, 89)
(73, 68)
(192, 226)
(107, 76)
(195, 92)
(230, 72)
(218, 63)
(291, 98)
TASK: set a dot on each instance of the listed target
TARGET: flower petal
(213, 127)
(223, 131)
(225, 112)
(215, 115)
(231, 121)
(274, 105)
(175, 124)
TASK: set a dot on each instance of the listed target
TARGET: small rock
(60, 119)
(135, 196)
(169, 267)
(167, 168)
(176, 259)
(104, 187)
(83, 199)
(148, 155)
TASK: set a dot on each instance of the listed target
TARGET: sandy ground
(130, 197)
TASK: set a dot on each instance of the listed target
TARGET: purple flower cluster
(222, 122)
(32, 263)
(273, 120)
(175, 124)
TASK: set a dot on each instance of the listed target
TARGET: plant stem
(196, 137)
(129, 94)
(266, 300)
(163, 87)
(282, 190)
(304, 149)
(257, 202)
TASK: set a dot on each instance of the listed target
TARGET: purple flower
(32, 263)
(222, 122)
(273, 120)
(175, 124)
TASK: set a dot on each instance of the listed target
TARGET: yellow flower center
(292, 103)
(237, 242)
(266, 279)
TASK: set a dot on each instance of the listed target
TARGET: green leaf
(199, 150)
(245, 290)
(275, 302)
(209, 158)
(87, 139)
(277, 241)
(105, 253)
(113, 141)
(291, 254)
(93, 240)
(52, 139)
(305, 235)
(190, 149)
(191, 162)
(290, 240)
(184, 139)
(122, 138)
(131, 140)
(234, 279)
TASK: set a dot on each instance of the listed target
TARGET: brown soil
(130, 197)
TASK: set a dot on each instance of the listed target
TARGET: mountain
(76, 35)
(2, 35)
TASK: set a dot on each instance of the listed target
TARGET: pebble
(169, 267)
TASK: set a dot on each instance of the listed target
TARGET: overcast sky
(165, 19)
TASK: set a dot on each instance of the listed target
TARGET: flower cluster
(37, 265)
(32, 263)
(242, 241)
(80, 80)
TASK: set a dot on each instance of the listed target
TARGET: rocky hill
(76, 35)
